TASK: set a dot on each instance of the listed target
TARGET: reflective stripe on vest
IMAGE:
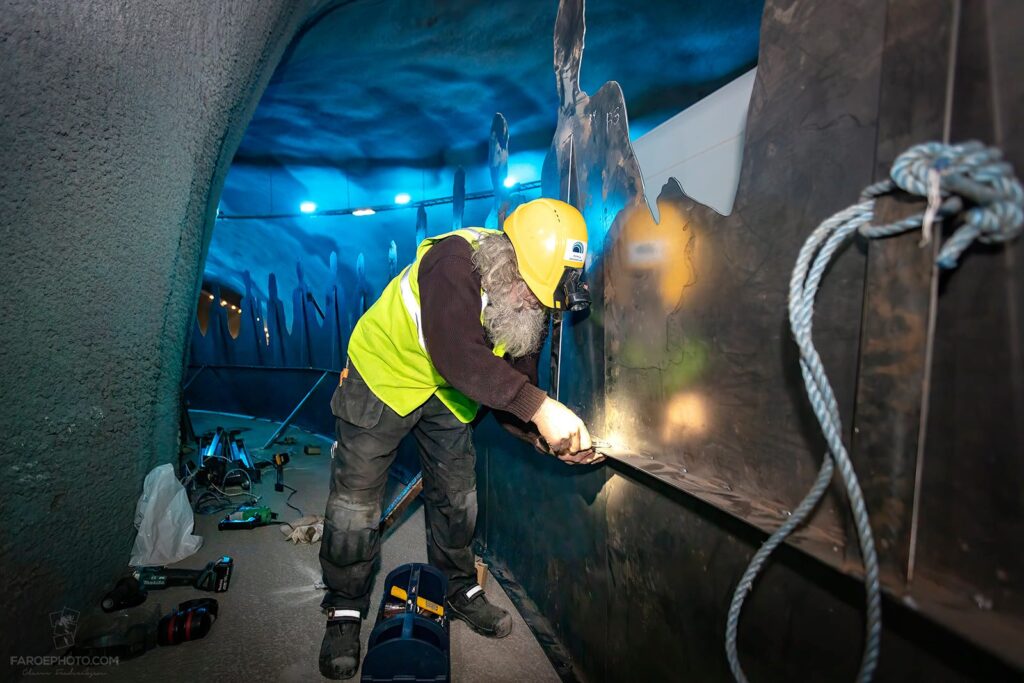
(413, 306)
(388, 347)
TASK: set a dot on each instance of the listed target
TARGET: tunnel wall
(629, 568)
(118, 123)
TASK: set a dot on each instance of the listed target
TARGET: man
(460, 327)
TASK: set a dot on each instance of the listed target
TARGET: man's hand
(591, 457)
(564, 432)
(587, 457)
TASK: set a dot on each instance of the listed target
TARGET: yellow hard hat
(550, 240)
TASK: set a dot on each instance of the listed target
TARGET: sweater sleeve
(456, 339)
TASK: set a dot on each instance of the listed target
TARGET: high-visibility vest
(387, 344)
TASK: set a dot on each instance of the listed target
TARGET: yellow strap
(432, 607)
(423, 603)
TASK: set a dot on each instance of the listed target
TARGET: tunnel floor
(270, 624)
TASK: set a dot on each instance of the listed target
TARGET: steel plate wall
(686, 365)
(702, 374)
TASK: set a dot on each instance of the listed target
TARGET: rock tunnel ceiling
(378, 98)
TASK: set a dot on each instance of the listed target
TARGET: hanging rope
(967, 179)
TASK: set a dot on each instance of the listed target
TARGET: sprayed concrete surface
(118, 122)
(270, 624)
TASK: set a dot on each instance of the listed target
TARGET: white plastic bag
(164, 519)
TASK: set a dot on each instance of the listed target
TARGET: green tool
(247, 517)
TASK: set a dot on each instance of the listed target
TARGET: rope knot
(950, 176)
(968, 172)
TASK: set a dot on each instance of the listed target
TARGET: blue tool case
(410, 639)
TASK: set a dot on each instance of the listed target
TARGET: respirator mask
(572, 293)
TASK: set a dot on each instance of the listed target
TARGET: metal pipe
(287, 420)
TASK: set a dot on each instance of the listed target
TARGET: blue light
(307, 207)
(402, 198)
(510, 181)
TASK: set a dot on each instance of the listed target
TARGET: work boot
(339, 651)
(471, 606)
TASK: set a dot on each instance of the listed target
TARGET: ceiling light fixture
(519, 185)
(510, 181)
(307, 207)
(402, 198)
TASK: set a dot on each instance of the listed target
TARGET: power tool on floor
(247, 517)
(280, 460)
(224, 460)
(131, 590)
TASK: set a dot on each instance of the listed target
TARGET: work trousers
(368, 433)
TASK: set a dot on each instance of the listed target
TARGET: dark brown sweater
(457, 341)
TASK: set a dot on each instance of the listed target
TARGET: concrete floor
(270, 624)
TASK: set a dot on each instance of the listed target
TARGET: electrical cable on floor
(287, 501)
(222, 504)
(946, 175)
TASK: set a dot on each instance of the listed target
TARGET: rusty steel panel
(898, 292)
(703, 386)
(971, 515)
(591, 165)
(546, 521)
(897, 301)
(702, 389)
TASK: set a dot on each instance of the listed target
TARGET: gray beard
(519, 328)
(509, 317)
